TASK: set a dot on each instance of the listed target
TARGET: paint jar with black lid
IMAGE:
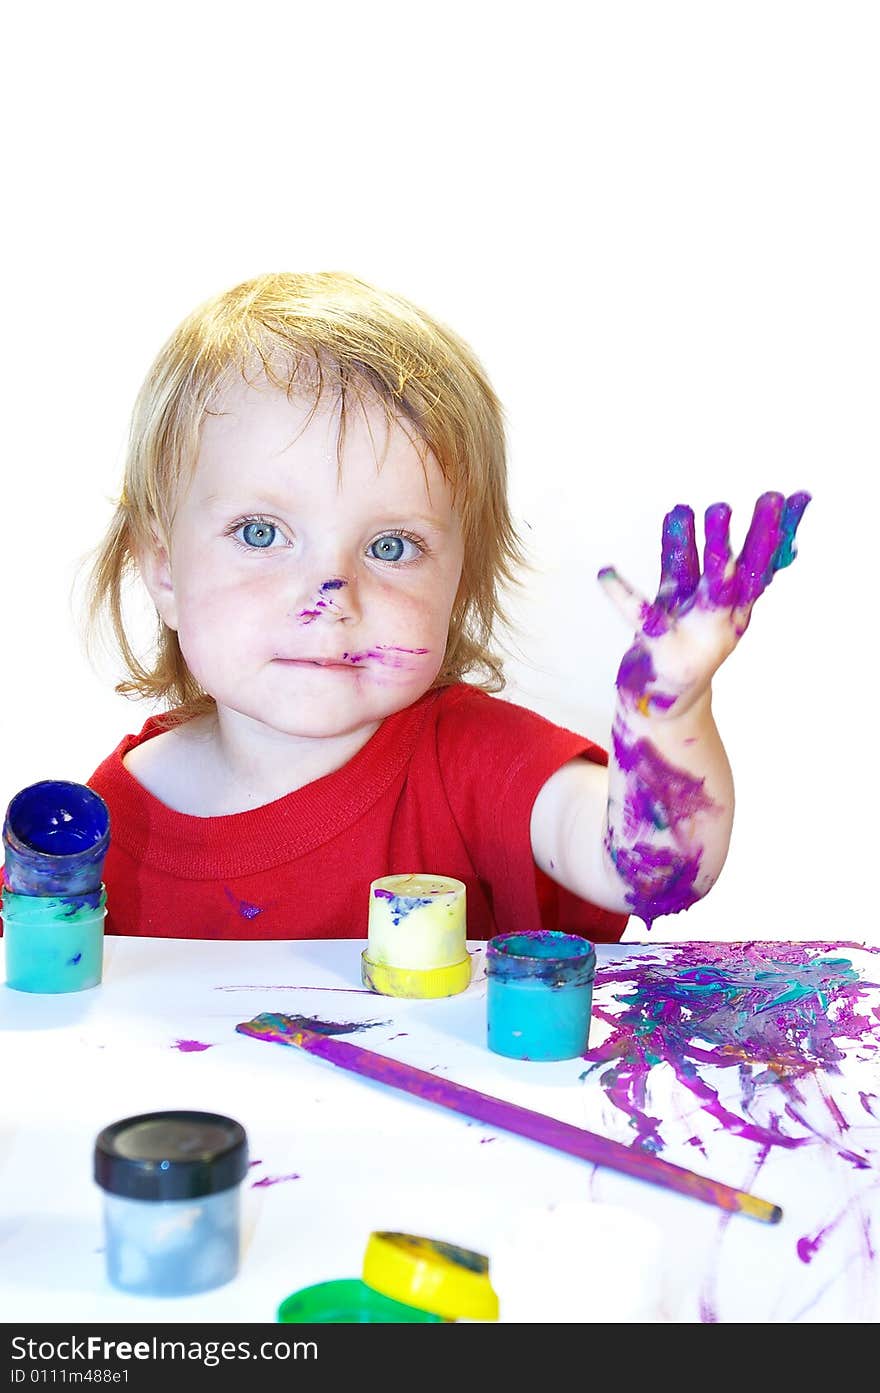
(172, 1185)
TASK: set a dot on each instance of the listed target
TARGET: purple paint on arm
(661, 880)
(657, 797)
(634, 677)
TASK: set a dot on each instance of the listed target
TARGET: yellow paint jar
(416, 937)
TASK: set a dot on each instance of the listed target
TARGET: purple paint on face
(245, 909)
(386, 654)
(321, 605)
(268, 1180)
(190, 1046)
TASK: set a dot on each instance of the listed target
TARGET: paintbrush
(561, 1136)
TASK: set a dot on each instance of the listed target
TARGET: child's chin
(332, 719)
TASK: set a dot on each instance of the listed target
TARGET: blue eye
(259, 534)
(393, 547)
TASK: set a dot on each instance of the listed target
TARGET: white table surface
(367, 1157)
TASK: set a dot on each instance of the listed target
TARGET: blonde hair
(311, 333)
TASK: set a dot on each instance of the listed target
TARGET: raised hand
(696, 620)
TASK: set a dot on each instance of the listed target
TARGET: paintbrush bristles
(549, 1131)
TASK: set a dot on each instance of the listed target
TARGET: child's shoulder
(166, 763)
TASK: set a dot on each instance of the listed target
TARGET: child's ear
(154, 564)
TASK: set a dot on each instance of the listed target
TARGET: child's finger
(754, 567)
(632, 605)
(792, 513)
(680, 561)
(719, 568)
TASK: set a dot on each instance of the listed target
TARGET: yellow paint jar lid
(415, 981)
(439, 1277)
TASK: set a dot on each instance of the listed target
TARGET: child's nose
(334, 600)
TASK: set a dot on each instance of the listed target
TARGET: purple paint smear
(386, 654)
(401, 905)
(658, 797)
(268, 1180)
(783, 1017)
(190, 1046)
(244, 908)
(308, 616)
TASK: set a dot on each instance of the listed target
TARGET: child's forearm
(670, 807)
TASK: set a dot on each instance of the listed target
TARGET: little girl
(315, 499)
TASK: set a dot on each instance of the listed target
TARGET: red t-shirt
(445, 787)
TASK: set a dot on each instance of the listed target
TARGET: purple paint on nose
(333, 584)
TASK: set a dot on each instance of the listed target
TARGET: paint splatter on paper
(268, 1180)
(771, 1047)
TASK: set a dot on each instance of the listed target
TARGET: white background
(657, 225)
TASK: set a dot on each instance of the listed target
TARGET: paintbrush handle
(561, 1136)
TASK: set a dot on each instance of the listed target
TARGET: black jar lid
(171, 1155)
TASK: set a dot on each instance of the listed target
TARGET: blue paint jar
(539, 994)
(171, 1183)
(55, 839)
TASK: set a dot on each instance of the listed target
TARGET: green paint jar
(348, 1302)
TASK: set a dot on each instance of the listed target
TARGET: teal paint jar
(54, 943)
(539, 994)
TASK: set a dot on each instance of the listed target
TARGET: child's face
(311, 600)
